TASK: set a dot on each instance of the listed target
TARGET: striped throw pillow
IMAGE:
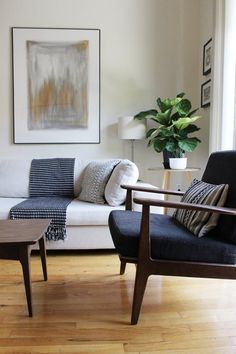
(201, 222)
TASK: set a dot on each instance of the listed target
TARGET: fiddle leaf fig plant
(175, 122)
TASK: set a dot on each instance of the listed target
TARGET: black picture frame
(206, 94)
(207, 57)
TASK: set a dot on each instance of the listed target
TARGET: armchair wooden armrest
(180, 205)
(140, 188)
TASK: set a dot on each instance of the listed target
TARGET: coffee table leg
(42, 250)
(24, 258)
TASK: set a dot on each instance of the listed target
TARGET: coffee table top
(24, 231)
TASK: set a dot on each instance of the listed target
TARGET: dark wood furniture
(136, 236)
(16, 240)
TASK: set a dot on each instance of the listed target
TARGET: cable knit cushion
(95, 178)
(126, 172)
(199, 192)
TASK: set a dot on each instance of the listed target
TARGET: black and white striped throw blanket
(51, 191)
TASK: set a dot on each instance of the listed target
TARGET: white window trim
(222, 116)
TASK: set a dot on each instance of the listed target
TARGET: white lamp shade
(131, 129)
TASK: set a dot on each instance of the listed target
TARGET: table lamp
(131, 129)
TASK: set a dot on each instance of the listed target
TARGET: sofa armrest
(148, 188)
(146, 191)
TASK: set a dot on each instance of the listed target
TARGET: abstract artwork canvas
(56, 85)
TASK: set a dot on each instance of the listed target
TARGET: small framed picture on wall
(206, 94)
(207, 57)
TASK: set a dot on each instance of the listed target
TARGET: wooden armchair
(158, 244)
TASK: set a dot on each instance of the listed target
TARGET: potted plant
(174, 125)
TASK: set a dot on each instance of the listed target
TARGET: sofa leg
(122, 267)
(139, 290)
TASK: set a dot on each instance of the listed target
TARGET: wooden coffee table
(16, 240)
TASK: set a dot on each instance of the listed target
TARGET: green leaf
(180, 94)
(167, 103)
(161, 105)
(146, 114)
(192, 112)
(171, 146)
(183, 107)
(150, 132)
(159, 145)
(164, 117)
(155, 119)
(183, 123)
(198, 140)
(190, 129)
(166, 131)
(188, 144)
(175, 116)
(175, 101)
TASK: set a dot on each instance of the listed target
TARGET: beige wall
(149, 48)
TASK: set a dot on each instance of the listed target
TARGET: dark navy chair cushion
(169, 239)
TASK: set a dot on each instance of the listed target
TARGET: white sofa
(86, 222)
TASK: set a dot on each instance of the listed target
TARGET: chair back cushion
(221, 169)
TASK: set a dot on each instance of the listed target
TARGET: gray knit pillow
(199, 192)
(95, 178)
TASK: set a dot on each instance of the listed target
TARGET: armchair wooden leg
(139, 289)
(122, 267)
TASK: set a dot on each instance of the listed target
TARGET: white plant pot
(178, 163)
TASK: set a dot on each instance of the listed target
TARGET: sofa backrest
(14, 177)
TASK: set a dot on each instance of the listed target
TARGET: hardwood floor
(85, 305)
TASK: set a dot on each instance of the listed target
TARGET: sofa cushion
(95, 177)
(77, 213)
(86, 213)
(126, 172)
(199, 192)
(167, 236)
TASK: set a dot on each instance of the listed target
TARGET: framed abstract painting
(56, 85)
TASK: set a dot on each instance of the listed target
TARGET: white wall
(149, 48)
(206, 26)
(197, 21)
(194, 30)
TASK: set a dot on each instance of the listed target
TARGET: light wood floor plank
(75, 349)
(85, 306)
